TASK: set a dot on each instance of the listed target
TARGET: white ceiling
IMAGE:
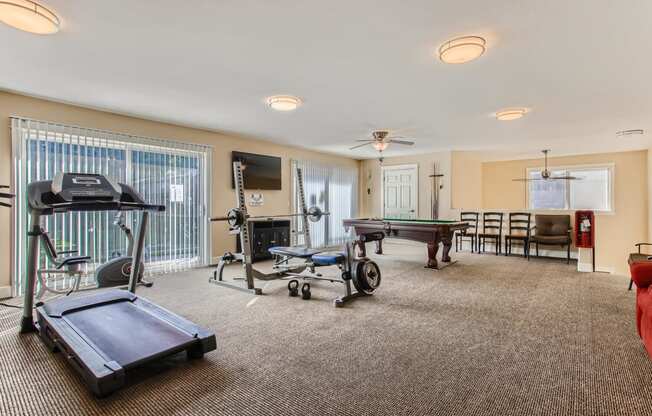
(583, 66)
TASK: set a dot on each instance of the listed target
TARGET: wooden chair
(519, 230)
(470, 233)
(552, 230)
(492, 229)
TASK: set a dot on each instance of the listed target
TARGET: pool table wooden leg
(447, 242)
(433, 247)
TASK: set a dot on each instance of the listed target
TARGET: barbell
(235, 217)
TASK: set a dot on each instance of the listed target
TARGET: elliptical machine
(116, 271)
(113, 273)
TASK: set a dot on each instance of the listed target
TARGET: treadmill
(105, 334)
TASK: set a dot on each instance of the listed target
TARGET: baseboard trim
(5, 292)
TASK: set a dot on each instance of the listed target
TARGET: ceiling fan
(381, 139)
(545, 173)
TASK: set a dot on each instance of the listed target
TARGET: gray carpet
(487, 336)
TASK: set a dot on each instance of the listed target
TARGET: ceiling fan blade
(360, 145)
(406, 142)
(4, 204)
(568, 178)
(365, 140)
(527, 179)
(4, 186)
(6, 195)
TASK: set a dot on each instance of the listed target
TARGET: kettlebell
(305, 291)
(293, 287)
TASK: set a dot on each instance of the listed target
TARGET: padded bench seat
(300, 252)
(328, 258)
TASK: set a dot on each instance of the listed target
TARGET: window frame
(611, 168)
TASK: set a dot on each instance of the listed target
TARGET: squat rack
(243, 230)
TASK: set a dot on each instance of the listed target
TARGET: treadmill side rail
(101, 376)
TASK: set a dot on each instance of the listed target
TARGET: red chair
(641, 273)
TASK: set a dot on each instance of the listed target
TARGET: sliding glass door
(169, 173)
(334, 189)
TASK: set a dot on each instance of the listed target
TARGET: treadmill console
(85, 186)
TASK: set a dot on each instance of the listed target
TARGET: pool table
(431, 232)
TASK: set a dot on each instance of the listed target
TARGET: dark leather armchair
(640, 257)
(552, 230)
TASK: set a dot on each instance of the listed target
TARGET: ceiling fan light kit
(29, 16)
(462, 50)
(510, 114)
(380, 146)
(284, 102)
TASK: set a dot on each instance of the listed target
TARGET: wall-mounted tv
(259, 171)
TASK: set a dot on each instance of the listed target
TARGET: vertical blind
(334, 189)
(173, 174)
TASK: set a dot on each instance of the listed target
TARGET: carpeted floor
(487, 336)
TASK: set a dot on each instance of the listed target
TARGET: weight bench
(363, 273)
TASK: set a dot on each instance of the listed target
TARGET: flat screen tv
(259, 171)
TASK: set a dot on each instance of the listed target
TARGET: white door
(400, 188)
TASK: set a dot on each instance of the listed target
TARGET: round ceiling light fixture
(284, 102)
(510, 114)
(29, 16)
(462, 50)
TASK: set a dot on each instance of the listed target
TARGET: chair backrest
(472, 218)
(519, 222)
(492, 222)
(556, 225)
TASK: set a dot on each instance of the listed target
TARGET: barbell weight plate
(235, 218)
(366, 276)
(314, 214)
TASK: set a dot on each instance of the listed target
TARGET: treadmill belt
(126, 333)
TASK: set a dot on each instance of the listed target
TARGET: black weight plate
(366, 276)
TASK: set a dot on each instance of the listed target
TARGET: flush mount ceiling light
(633, 132)
(283, 102)
(28, 16)
(510, 114)
(461, 50)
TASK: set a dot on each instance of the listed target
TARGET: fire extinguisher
(585, 233)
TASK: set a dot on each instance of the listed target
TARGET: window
(593, 190)
(334, 190)
(163, 172)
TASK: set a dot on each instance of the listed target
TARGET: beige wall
(276, 202)
(466, 177)
(649, 194)
(616, 233)
(370, 172)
